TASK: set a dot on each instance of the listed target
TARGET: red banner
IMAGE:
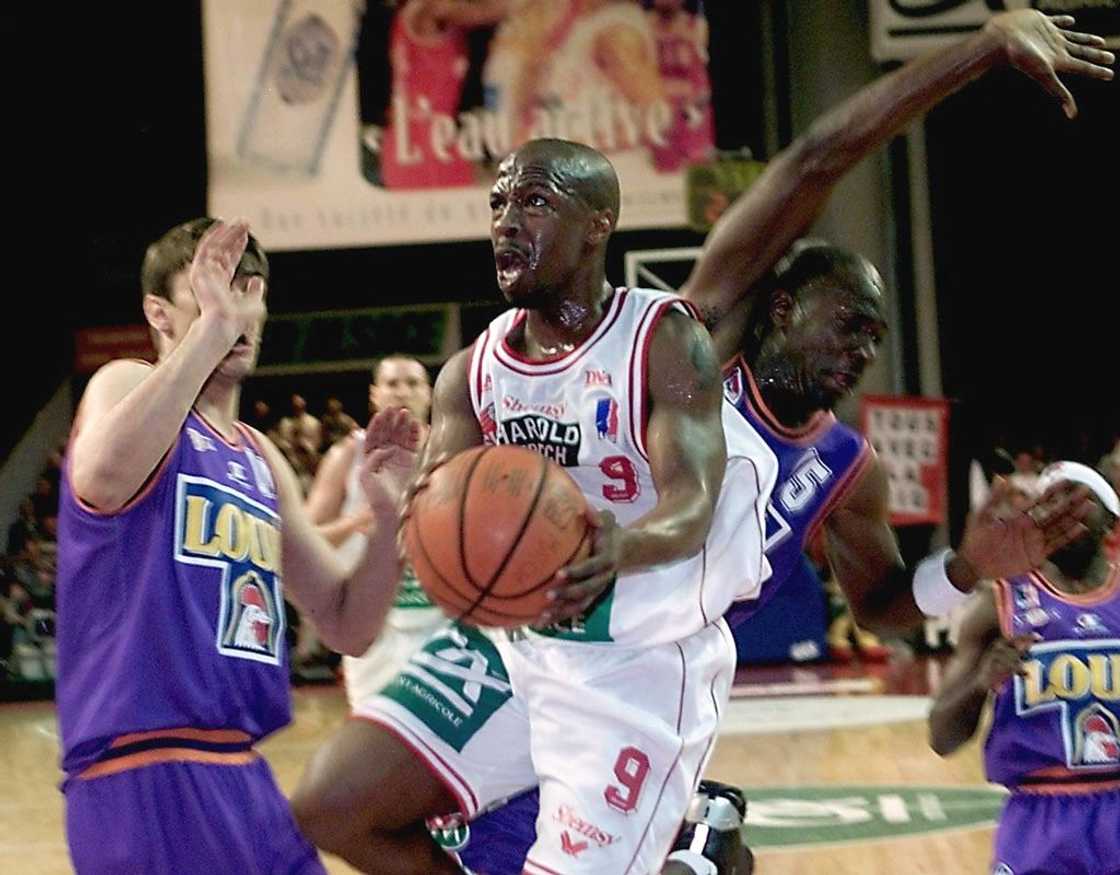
(94, 347)
(911, 437)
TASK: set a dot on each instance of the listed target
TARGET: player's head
(823, 325)
(1075, 558)
(401, 381)
(552, 209)
(169, 303)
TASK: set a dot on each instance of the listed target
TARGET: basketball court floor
(834, 760)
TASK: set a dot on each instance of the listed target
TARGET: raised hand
(388, 458)
(1000, 543)
(233, 312)
(1044, 48)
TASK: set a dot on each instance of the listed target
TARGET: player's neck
(559, 326)
(218, 403)
(783, 391)
(1067, 577)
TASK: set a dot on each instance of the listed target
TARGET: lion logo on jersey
(1098, 737)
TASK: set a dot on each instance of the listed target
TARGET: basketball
(490, 531)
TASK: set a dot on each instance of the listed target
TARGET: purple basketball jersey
(1061, 721)
(170, 611)
(817, 465)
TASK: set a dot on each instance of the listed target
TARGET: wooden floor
(894, 753)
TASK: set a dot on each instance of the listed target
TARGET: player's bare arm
(982, 662)
(348, 610)
(328, 489)
(131, 414)
(762, 224)
(864, 554)
(687, 455)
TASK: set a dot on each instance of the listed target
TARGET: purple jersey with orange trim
(171, 611)
(817, 465)
(1060, 722)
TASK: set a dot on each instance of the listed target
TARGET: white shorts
(616, 737)
(366, 675)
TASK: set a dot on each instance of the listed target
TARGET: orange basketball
(491, 529)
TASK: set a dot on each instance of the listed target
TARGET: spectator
(301, 437)
(337, 424)
(24, 528)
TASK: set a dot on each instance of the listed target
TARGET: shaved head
(579, 170)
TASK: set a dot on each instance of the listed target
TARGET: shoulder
(110, 384)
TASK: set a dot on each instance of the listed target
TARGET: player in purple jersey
(808, 357)
(174, 519)
(1044, 648)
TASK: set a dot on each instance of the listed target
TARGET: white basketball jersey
(588, 411)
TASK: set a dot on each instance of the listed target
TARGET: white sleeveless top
(412, 609)
(588, 411)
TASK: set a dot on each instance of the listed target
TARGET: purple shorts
(185, 819)
(1074, 834)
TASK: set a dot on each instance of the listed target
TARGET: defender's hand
(1045, 48)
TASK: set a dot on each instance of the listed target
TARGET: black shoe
(713, 831)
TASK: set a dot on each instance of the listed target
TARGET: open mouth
(510, 262)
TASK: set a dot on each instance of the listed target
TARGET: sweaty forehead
(523, 170)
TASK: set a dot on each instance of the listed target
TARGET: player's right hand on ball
(579, 584)
(1002, 659)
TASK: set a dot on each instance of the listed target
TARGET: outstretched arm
(879, 586)
(758, 229)
(348, 610)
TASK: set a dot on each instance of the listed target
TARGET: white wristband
(933, 591)
(700, 865)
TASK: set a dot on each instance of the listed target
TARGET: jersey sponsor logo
(1003, 869)
(454, 684)
(571, 847)
(805, 816)
(451, 833)
(1090, 624)
(558, 441)
(513, 404)
(237, 473)
(606, 419)
(1026, 596)
(200, 442)
(593, 377)
(733, 386)
(262, 474)
(566, 816)
(220, 528)
(1078, 679)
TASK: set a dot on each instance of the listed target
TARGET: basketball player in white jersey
(620, 386)
(337, 505)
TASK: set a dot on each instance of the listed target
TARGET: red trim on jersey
(803, 435)
(639, 396)
(478, 353)
(1094, 597)
(848, 483)
(167, 755)
(537, 866)
(428, 758)
(211, 427)
(540, 367)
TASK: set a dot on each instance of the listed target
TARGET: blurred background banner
(904, 29)
(911, 438)
(334, 123)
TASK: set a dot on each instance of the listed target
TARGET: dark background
(1024, 208)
